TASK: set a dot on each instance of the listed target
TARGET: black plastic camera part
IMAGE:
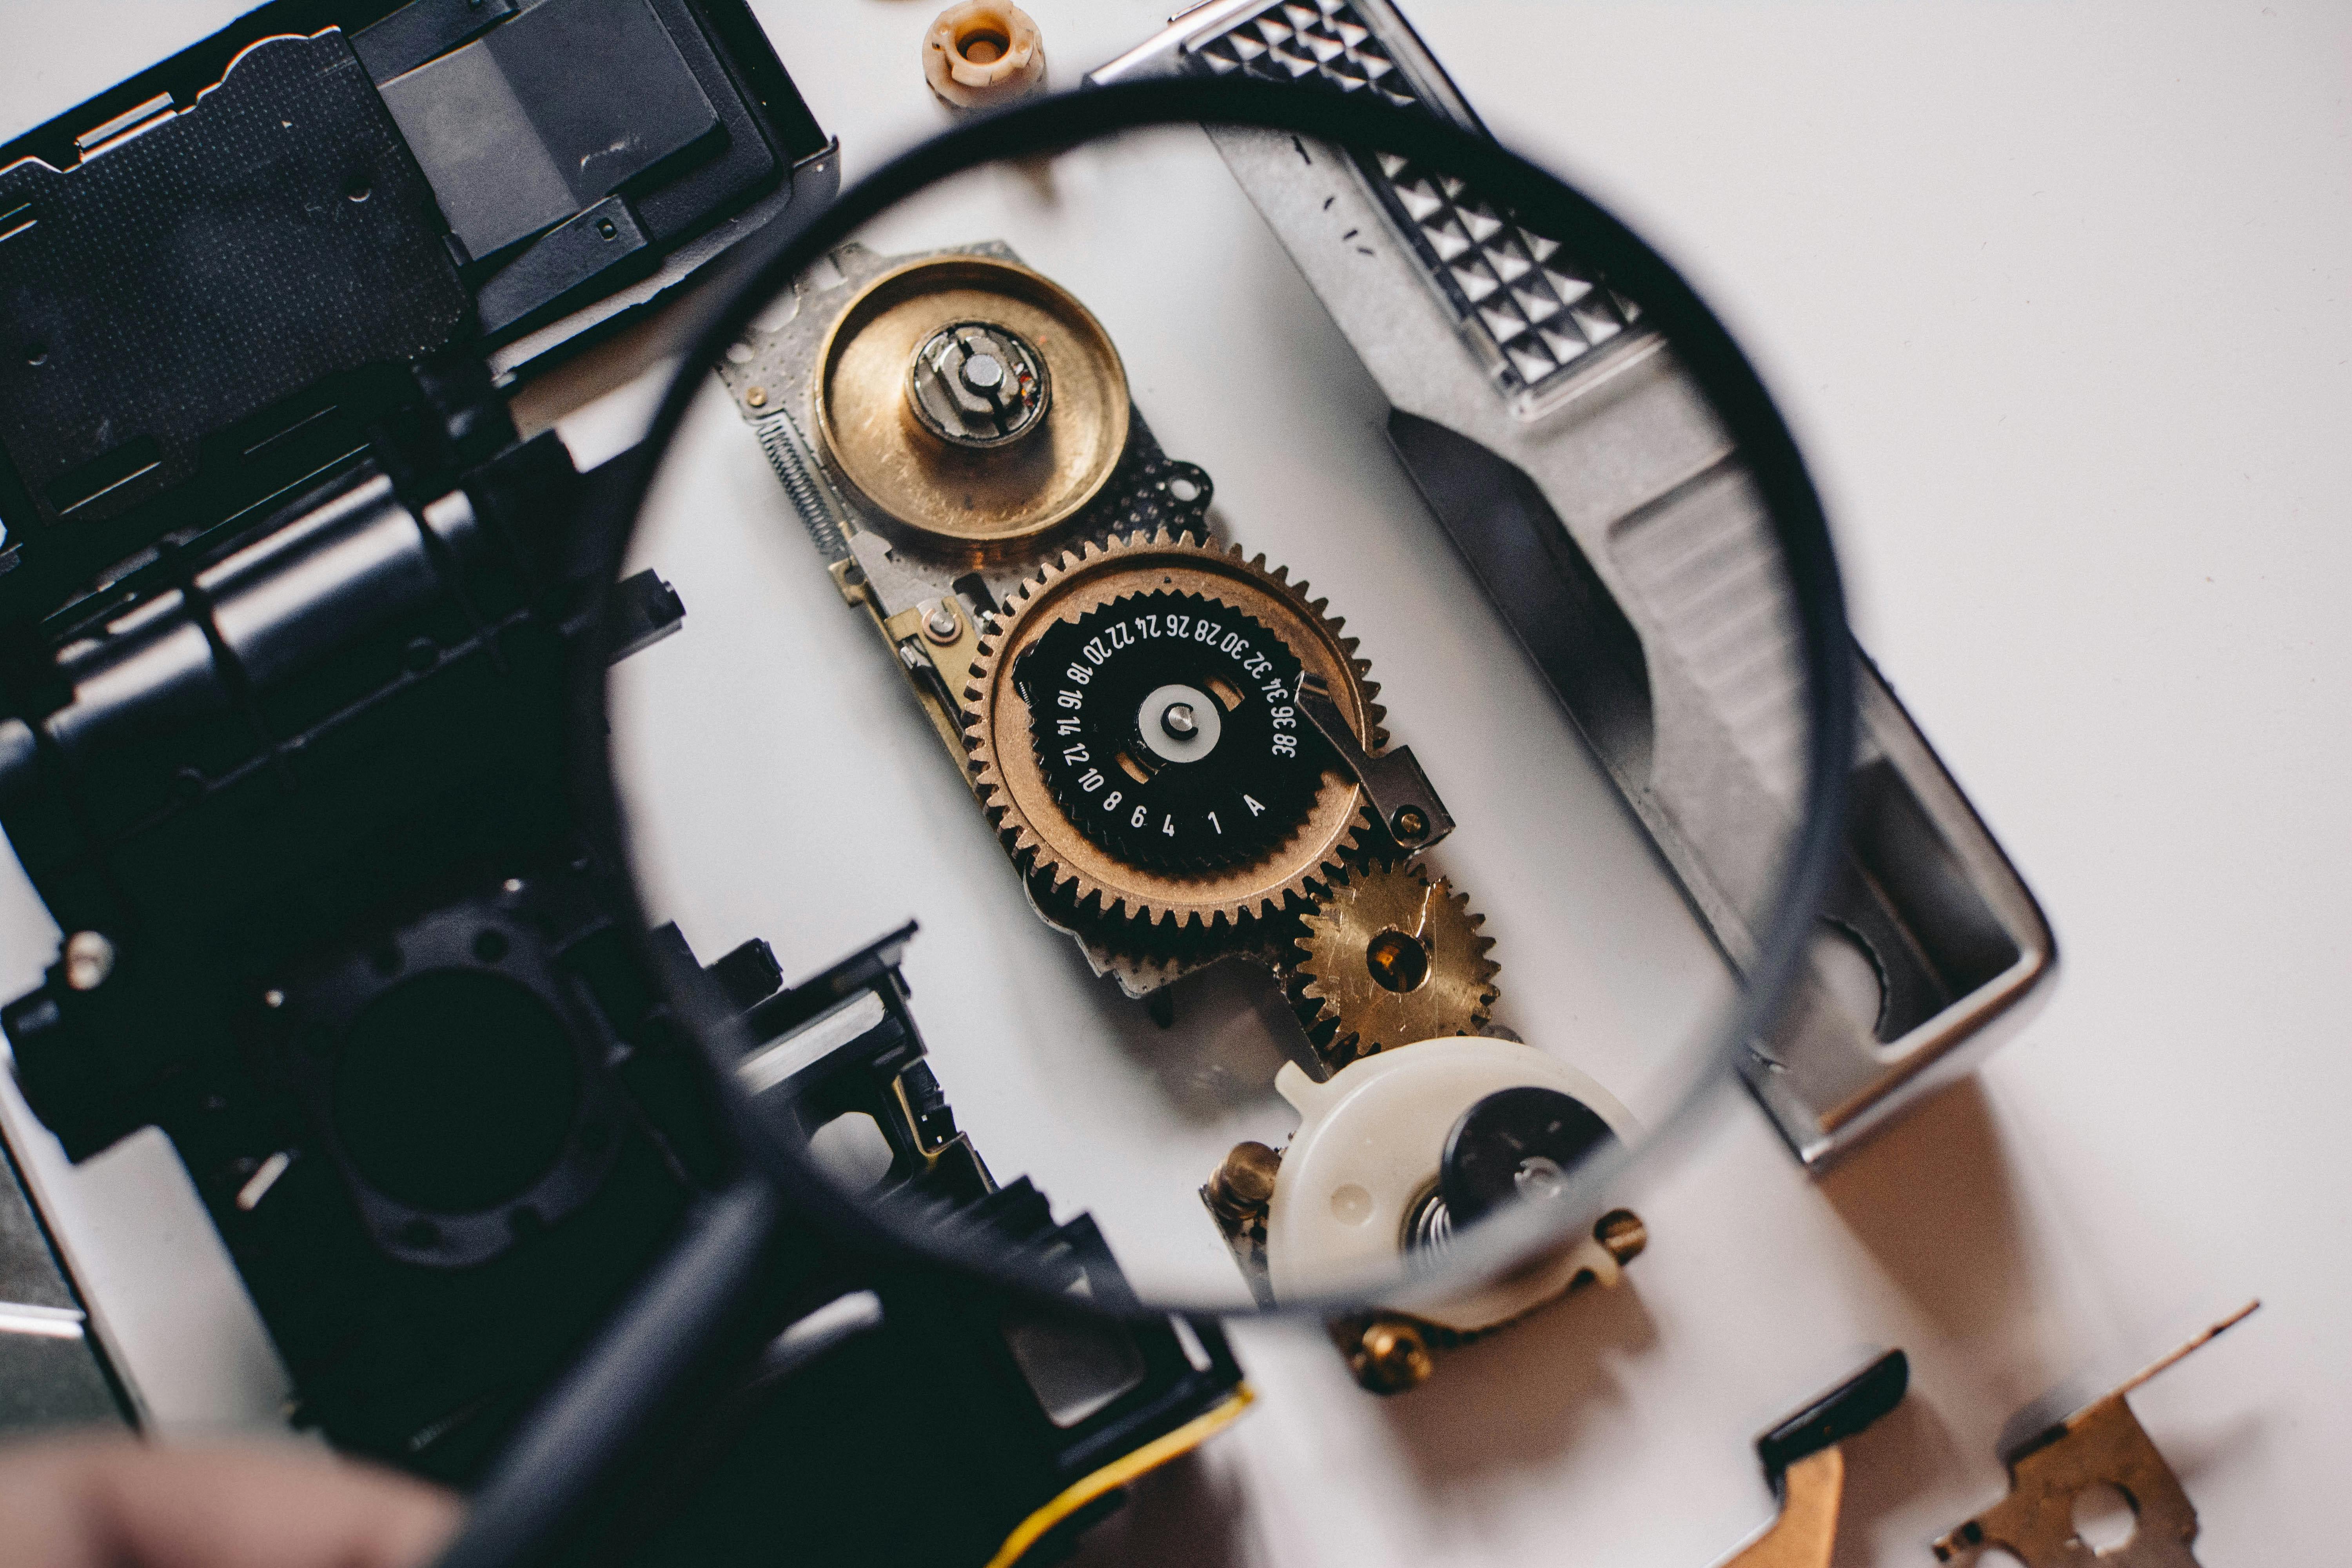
(218, 275)
(960, 1423)
(283, 751)
(298, 806)
(330, 928)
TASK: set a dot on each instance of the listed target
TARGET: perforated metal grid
(1294, 40)
(1542, 313)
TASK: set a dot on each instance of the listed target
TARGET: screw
(1391, 1357)
(1411, 825)
(1539, 1177)
(1180, 721)
(757, 397)
(89, 959)
(1623, 1233)
(943, 624)
(1244, 1182)
(983, 372)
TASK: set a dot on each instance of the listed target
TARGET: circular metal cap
(1516, 1144)
(1180, 723)
(976, 385)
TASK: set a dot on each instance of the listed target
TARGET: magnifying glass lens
(1316, 655)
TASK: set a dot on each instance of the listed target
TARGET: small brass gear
(1388, 958)
(1159, 872)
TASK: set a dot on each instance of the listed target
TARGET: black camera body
(289, 613)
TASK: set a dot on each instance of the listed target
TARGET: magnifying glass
(1347, 950)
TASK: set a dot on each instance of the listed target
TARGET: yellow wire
(1119, 1472)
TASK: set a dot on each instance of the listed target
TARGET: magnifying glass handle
(568, 1447)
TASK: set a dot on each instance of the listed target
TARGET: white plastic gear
(1368, 1147)
(1079, 875)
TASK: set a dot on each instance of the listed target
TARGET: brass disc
(975, 504)
(1012, 785)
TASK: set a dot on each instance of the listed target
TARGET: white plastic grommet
(1367, 1151)
(983, 53)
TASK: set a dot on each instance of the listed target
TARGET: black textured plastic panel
(178, 281)
(548, 115)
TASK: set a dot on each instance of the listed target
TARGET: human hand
(117, 1503)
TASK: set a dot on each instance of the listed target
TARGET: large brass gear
(1079, 878)
(972, 503)
(1389, 958)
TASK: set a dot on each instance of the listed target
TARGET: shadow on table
(1189, 1512)
(1930, 1198)
(1886, 1468)
(1517, 1400)
(1228, 1032)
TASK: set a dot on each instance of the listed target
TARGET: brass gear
(1079, 878)
(975, 503)
(1388, 958)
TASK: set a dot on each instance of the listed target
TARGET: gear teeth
(1332, 990)
(1074, 891)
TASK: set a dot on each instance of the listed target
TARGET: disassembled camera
(1181, 752)
(287, 623)
(290, 620)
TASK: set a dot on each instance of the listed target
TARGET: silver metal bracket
(1611, 520)
(1400, 792)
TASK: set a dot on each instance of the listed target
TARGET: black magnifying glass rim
(768, 263)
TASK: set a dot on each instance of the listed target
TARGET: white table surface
(2058, 298)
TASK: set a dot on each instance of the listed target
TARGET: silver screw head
(976, 384)
(943, 624)
(89, 959)
(1538, 1176)
(1180, 721)
(983, 372)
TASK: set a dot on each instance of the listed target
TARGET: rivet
(1623, 1233)
(1391, 1357)
(89, 959)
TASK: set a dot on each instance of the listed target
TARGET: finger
(115, 1503)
